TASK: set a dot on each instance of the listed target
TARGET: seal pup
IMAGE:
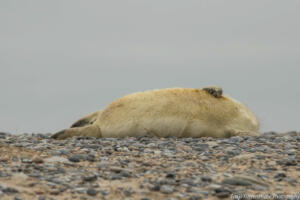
(172, 112)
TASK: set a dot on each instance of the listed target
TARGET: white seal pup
(173, 112)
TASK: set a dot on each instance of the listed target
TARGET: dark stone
(170, 175)
(206, 179)
(280, 175)
(74, 158)
(270, 169)
(222, 195)
(194, 197)
(290, 162)
(222, 192)
(126, 174)
(9, 190)
(42, 198)
(236, 181)
(155, 187)
(90, 158)
(128, 193)
(91, 192)
(90, 178)
(104, 192)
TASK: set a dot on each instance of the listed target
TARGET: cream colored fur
(175, 112)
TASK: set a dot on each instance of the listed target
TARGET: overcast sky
(60, 60)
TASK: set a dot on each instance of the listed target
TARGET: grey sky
(60, 60)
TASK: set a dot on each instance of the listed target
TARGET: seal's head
(216, 91)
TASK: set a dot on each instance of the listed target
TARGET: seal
(171, 112)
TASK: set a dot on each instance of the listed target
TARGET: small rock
(167, 189)
(290, 162)
(222, 192)
(37, 160)
(74, 158)
(104, 192)
(243, 181)
(280, 175)
(91, 192)
(170, 175)
(90, 178)
(201, 147)
(54, 192)
(195, 197)
(10, 190)
(121, 171)
(91, 158)
(206, 179)
(42, 198)
(258, 188)
(80, 190)
(26, 160)
(4, 158)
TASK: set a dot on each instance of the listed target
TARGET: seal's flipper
(216, 91)
(86, 131)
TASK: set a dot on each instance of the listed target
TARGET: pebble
(166, 189)
(74, 158)
(80, 190)
(90, 178)
(242, 181)
(37, 160)
(91, 192)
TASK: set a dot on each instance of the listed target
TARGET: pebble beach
(34, 166)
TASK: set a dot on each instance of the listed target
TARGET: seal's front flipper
(86, 131)
(216, 91)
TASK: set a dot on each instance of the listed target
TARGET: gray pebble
(91, 192)
(42, 198)
(166, 189)
(74, 158)
(104, 192)
(236, 181)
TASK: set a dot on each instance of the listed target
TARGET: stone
(91, 192)
(222, 192)
(9, 190)
(206, 179)
(74, 158)
(26, 160)
(170, 175)
(279, 175)
(89, 178)
(243, 181)
(167, 189)
(80, 190)
(37, 160)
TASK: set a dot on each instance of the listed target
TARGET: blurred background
(60, 60)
